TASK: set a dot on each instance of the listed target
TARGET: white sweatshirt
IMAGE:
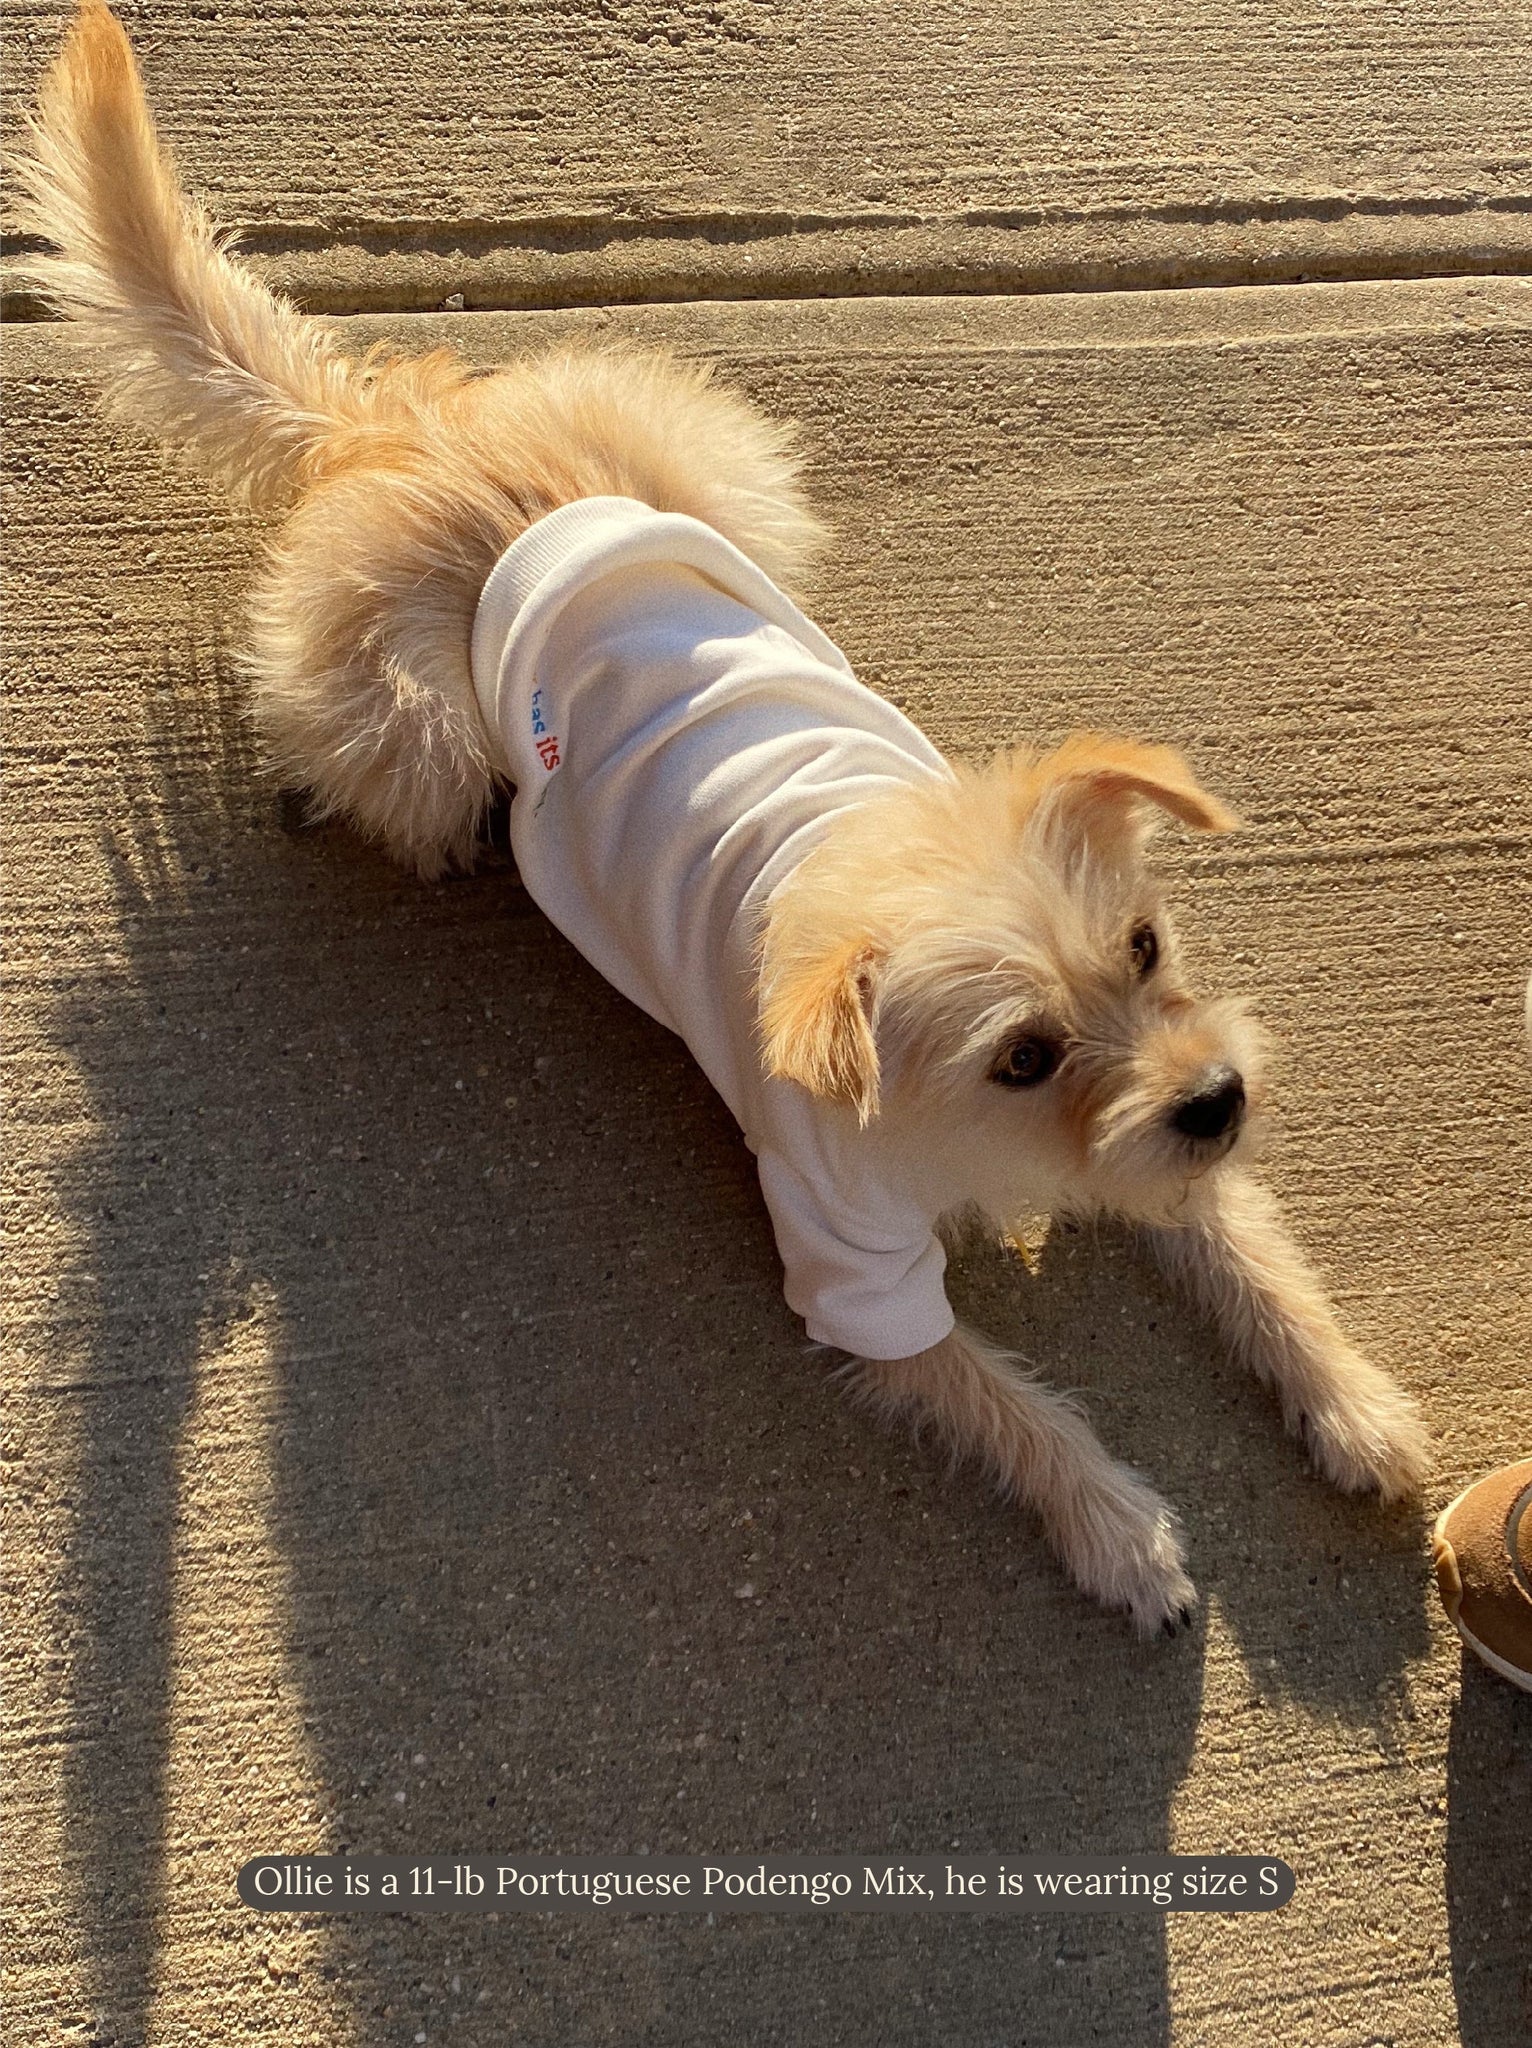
(680, 736)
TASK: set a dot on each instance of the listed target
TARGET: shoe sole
(1511, 1673)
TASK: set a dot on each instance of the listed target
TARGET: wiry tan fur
(926, 939)
(925, 935)
(1108, 1527)
(1361, 1430)
(411, 476)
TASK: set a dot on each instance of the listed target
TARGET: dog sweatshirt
(680, 736)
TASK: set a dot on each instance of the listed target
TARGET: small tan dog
(965, 984)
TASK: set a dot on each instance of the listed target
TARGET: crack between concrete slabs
(613, 258)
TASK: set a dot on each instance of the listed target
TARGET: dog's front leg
(1116, 1537)
(1237, 1260)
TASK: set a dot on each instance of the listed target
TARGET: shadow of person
(577, 1550)
(1489, 1858)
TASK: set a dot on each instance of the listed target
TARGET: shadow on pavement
(582, 1552)
(1489, 1858)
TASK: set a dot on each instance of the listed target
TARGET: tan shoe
(1483, 1546)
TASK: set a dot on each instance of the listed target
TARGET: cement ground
(399, 1392)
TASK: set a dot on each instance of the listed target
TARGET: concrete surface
(402, 1392)
(389, 155)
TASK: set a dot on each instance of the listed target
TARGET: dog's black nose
(1217, 1107)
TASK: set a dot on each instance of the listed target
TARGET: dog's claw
(1134, 1560)
(1173, 1624)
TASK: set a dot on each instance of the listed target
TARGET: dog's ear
(1092, 770)
(815, 1027)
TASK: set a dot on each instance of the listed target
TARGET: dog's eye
(1144, 946)
(1027, 1062)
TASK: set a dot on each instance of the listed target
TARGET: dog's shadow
(578, 1549)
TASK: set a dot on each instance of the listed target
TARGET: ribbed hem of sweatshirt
(882, 1337)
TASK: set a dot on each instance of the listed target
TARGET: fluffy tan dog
(970, 980)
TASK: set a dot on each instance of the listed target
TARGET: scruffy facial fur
(983, 975)
(942, 927)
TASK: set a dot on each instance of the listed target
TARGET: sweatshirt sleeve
(869, 1286)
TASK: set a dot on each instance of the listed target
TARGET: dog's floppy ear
(1093, 768)
(815, 1028)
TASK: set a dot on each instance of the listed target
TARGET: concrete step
(382, 156)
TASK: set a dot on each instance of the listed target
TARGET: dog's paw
(1364, 1433)
(1121, 1543)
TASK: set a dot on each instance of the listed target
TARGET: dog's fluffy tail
(191, 345)
(412, 476)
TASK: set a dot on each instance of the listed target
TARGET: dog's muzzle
(1215, 1110)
